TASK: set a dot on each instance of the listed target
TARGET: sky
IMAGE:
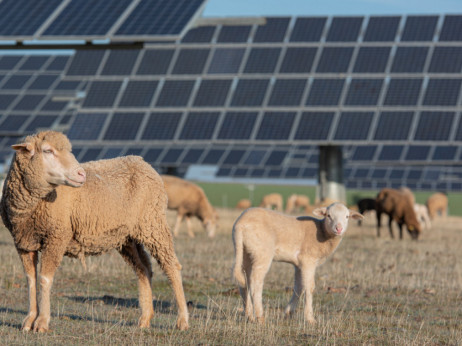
(239, 8)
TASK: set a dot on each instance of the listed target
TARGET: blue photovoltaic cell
(414, 174)
(202, 34)
(255, 157)
(275, 173)
(224, 172)
(212, 92)
(234, 34)
(58, 63)
(43, 82)
(364, 153)
(446, 60)
(391, 153)
(120, 62)
(240, 172)
(325, 92)
(447, 152)
(34, 62)
(213, 156)
(29, 102)
(199, 125)
(276, 126)
(138, 93)
(372, 59)
(397, 174)
(87, 126)
(363, 92)
(452, 28)
(85, 62)
(307, 29)
(161, 126)
(381, 29)
(190, 61)
(257, 173)
(172, 155)
(233, 157)
(353, 125)
(193, 156)
(344, 29)
(249, 92)
(314, 126)
(24, 17)
(124, 126)
(8, 63)
(91, 154)
(442, 92)
(287, 92)
(298, 60)
(112, 153)
(276, 158)
(379, 173)
(394, 126)
(419, 28)
(6, 100)
(152, 155)
(87, 18)
(262, 60)
(54, 106)
(334, 59)
(16, 82)
(273, 30)
(175, 93)
(42, 122)
(292, 172)
(155, 62)
(67, 85)
(13, 122)
(361, 173)
(226, 60)
(409, 59)
(134, 151)
(101, 94)
(159, 17)
(417, 152)
(403, 92)
(237, 125)
(434, 126)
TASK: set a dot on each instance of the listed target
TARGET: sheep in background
(421, 212)
(189, 200)
(261, 236)
(273, 200)
(297, 202)
(408, 194)
(244, 204)
(437, 204)
(54, 205)
(365, 204)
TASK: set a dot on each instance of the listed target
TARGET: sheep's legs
(259, 269)
(179, 218)
(245, 290)
(390, 220)
(400, 231)
(29, 262)
(308, 287)
(132, 253)
(189, 226)
(379, 222)
(292, 306)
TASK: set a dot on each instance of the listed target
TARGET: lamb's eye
(48, 151)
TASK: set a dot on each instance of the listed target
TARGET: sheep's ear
(355, 215)
(320, 212)
(25, 148)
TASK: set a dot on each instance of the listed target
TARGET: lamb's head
(46, 161)
(210, 223)
(336, 218)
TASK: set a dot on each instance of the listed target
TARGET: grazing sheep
(244, 204)
(364, 205)
(408, 193)
(189, 200)
(295, 202)
(437, 204)
(421, 212)
(261, 236)
(398, 207)
(54, 205)
(273, 200)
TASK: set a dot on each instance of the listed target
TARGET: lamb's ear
(25, 148)
(320, 212)
(355, 215)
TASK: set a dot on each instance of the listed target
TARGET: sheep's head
(46, 161)
(210, 223)
(414, 229)
(336, 218)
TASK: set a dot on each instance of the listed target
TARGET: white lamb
(261, 236)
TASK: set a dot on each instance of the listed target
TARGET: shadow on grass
(9, 311)
(159, 306)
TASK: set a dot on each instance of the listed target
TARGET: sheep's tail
(238, 271)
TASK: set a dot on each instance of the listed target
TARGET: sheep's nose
(339, 228)
(81, 173)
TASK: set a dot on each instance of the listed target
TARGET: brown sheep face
(336, 218)
(414, 231)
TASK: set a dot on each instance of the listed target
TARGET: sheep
(272, 200)
(295, 202)
(364, 205)
(53, 205)
(408, 194)
(244, 204)
(421, 212)
(437, 204)
(189, 200)
(398, 207)
(261, 236)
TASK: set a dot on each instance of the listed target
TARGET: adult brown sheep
(398, 207)
(54, 205)
(189, 200)
(437, 204)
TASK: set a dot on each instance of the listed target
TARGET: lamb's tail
(238, 271)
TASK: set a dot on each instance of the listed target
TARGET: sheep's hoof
(261, 320)
(311, 321)
(144, 322)
(40, 325)
(182, 323)
(27, 323)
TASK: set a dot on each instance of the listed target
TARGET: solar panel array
(257, 100)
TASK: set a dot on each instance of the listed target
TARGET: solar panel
(307, 29)
(13, 122)
(190, 61)
(213, 156)
(134, 151)
(233, 157)
(85, 62)
(54, 106)
(91, 154)
(193, 156)
(249, 92)
(403, 92)
(124, 126)
(212, 92)
(224, 172)
(419, 28)
(155, 62)
(446, 60)
(434, 126)
(257, 172)
(226, 60)
(199, 125)
(58, 63)
(314, 125)
(344, 29)
(287, 92)
(43, 82)
(391, 153)
(394, 125)
(379, 173)
(276, 126)
(202, 34)
(262, 60)
(138, 94)
(409, 60)
(371, 59)
(353, 125)
(237, 125)
(41, 122)
(175, 93)
(364, 153)
(16, 82)
(6, 100)
(8, 63)
(397, 173)
(172, 155)
(120, 62)
(298, 60)
(381, 29)
(65, 85)
(452, 28)
(334, 59)
(111, 153)
(101, 94)
(364, 92)
(234, 34)
(33, 62)
(161, 125)
(152, 155)
(442, 92)
(255, 157)
(275, 158)
(417, 152)
(87, 126)
(325, 92)
(28, 102)
(273, 30)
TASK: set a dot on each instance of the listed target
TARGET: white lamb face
(336, 218)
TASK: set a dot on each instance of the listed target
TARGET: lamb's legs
(245, 290)
(131, 254)
(189, 226)
(292, 306)
(259, 269)
(179, 218)
(29, 262)
(308, 273)
(390, 228)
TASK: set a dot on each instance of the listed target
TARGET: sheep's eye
(48, 151)
(328, 215)
(347, 216)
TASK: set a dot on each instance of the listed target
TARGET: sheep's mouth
(74, 183)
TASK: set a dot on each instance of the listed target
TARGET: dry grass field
(371, 291)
